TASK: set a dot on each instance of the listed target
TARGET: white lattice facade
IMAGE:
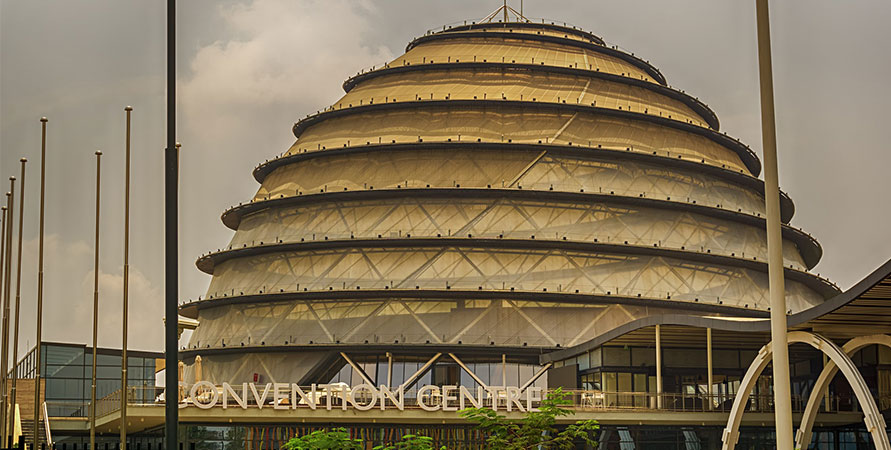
(500, 188)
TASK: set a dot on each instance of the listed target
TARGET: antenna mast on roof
(506, 10)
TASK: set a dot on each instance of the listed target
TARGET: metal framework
(501, 187)
(821, 386)
(875, 423)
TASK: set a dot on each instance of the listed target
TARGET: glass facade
(67, 369)
(441, 373)
(67, 372)
(611, 437)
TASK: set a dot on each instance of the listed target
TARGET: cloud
(68, 299)
(268, 64)
(146, 312)
(282, 53)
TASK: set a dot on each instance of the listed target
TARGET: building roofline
(552, 26)
(596, 47)
(763, 326)
(104, 350)
(844, 298)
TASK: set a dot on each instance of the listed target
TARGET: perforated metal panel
(522, 189)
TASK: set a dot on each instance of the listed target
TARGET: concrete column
(658, 367)
(504, 369)
(708, 343)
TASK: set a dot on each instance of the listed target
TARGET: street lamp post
(779, 343)
(171, 264)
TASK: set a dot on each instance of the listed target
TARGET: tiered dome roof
(516, 185)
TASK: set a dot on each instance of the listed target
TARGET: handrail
(46, 427)
(580, 400)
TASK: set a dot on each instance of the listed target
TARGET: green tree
(410, 442)
(337, 438)
(537, 429)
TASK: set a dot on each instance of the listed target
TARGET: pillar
(708, 343)
(658, 367)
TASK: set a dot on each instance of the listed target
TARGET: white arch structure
(875, 424)
(803, 437)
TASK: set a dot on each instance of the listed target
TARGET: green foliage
(536, 429)
(337, 438)
(410, 442)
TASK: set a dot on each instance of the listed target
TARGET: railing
(580, 401)
(46, 426)
(136, 395)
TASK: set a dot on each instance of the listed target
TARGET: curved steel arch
(803, 437)
(875, 424)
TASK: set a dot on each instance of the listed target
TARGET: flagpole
(3, 263)
(7, 279)
(126, 317)
(18, 303)
(778, 326)
(34, 444)
(171, 246)
(95, 308)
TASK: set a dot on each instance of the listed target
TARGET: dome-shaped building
(499, 191)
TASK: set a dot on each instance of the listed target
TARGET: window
(616, 356)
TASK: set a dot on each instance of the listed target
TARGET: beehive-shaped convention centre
(509, 207)
(499, 189)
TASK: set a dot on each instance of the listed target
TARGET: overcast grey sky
(248, 69)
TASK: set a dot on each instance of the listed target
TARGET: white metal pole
(779, 344)
(711, 379)
(658, 367)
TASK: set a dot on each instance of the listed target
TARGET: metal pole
(7, 276)
(779, 344)
(171, 264)
(3, 262)
(389, 369)
(95, 308)
(658, 367)
(826, 395)
(505, 11)
(18, 304)
(34, 444)
(711, 379)
(126, 316)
